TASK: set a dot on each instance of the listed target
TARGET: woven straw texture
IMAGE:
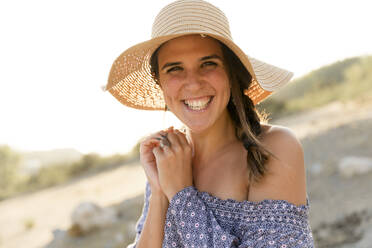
(130, 79)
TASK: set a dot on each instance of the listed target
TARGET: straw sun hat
(130, 79)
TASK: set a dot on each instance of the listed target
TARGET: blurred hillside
(26, 172)
(33, 161)
(350, 79)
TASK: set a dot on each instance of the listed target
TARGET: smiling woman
(229, 180)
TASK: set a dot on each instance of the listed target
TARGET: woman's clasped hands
(166, 157)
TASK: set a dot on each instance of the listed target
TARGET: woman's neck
(208, 144)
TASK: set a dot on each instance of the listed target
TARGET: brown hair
(242, 111)
(244, 114)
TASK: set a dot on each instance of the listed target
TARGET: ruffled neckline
(251, 205)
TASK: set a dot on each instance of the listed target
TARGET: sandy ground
(340, 208)
(327, 135)
(51, 208)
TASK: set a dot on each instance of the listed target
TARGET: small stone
(88, 216)
(353, 166)
(316, 169)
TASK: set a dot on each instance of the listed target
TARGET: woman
(228, 180)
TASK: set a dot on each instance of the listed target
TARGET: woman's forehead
(189, 44)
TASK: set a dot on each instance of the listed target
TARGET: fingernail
(179, 131)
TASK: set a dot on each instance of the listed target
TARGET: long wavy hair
(246, 118)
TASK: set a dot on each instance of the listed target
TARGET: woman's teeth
(198, 104)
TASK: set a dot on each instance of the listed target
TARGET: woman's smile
(198, 104)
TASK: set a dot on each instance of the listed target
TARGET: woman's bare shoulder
(285, 178)
(274, 136)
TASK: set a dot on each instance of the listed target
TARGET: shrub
(9, 169)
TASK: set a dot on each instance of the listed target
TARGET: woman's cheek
(171, 87)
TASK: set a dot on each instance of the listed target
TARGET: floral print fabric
(198, 219)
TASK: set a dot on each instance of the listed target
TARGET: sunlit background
(64, 141)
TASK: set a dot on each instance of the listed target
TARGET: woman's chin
(197, 127)
(196, 121)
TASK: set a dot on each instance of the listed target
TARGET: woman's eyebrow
(213, 56)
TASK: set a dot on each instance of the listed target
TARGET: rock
(119, 238)
(58, 234)
(316, 169)
(88, 216)
(351, 166)
(345, 230)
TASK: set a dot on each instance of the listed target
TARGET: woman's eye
(209, 63)
(176, 68)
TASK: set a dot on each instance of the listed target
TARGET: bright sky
(56, 55)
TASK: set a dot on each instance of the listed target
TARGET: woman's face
(194, 80)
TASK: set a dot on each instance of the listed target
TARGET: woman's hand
(148, 161)
(173, 157)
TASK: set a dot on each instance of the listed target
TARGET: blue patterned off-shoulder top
(199, 219)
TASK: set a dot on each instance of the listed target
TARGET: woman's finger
(164, 141)
(182, 138)
(187, 146)
(148, 144)
(146, 154)
(167, 150)
(158, 153)
(175, 142)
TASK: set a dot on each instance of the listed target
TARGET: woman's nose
(193, 80)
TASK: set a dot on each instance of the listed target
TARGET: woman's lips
(198, 104)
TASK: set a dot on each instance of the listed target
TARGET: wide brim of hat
(131, 83)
